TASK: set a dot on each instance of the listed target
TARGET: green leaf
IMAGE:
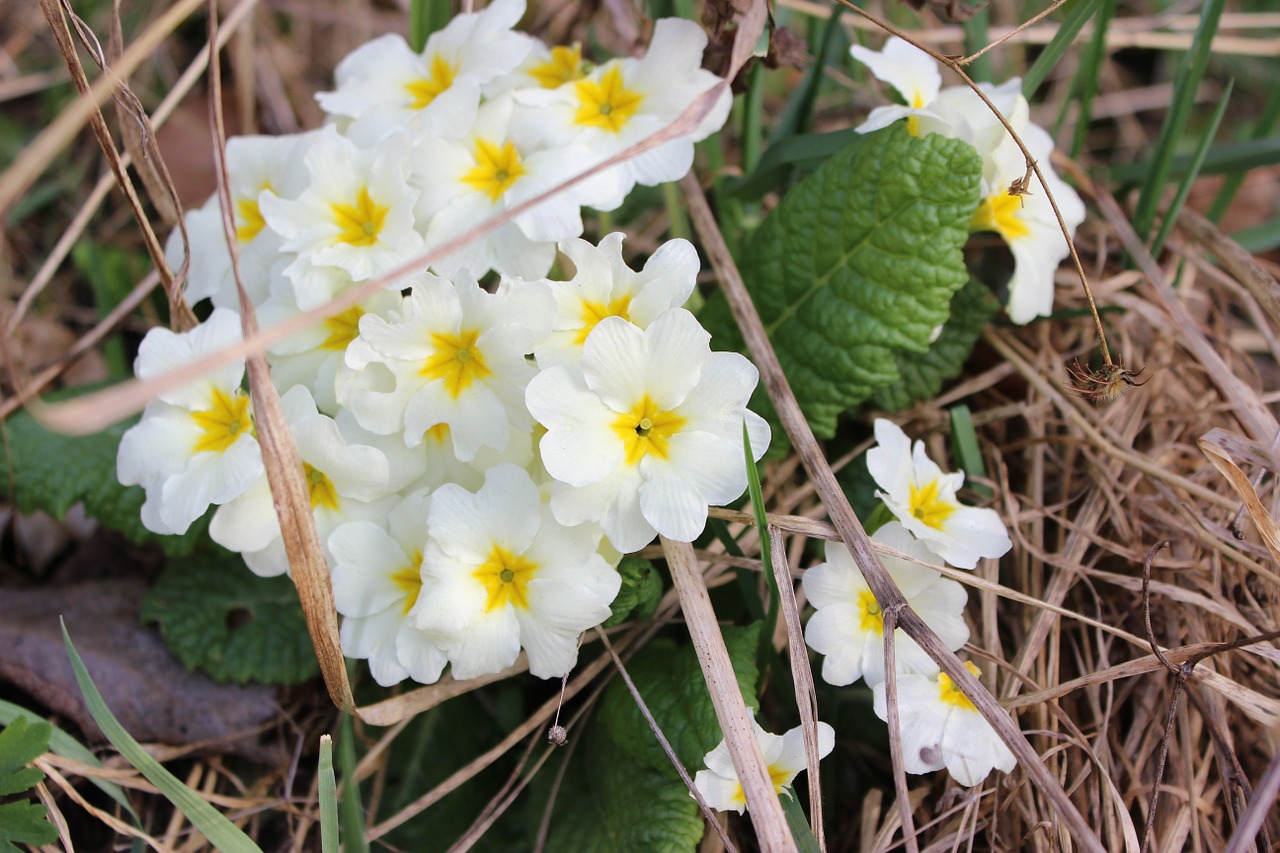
(964, 445)
(1081, 12)
(327, 795)
(623, 793)
(641, 590)
(21, 742)
(25, 822)
(218, 617)
(49, 472)
(858, 264)
(221, 833)
(923, 374)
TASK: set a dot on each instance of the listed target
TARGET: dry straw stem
(1235, 260)
(735, 721)
(851, 532)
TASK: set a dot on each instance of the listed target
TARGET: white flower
(500, 574)
(543, 68)
(255, 165)
(377, 579)
(647, 431)
(345, 483)
(924, 500)
(912, 72)
(784, 755)
(625, 100)
(941, 728)
(451, 354)
(465, 182)
(604, 286)
(1026, 222)
(384, 85)
(355, 214)
(849, 625)
(194, 445)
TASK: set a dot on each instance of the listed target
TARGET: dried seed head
(1104, 385)
(557, 735)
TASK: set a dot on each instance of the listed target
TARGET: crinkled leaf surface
(21, 742)
(638, 597)
(49, 472)
(219, 617)
(923, 374)
(858, 263)
(623, 793)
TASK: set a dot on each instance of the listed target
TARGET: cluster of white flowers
(940, 726)
(1024, 221)
(454, 535)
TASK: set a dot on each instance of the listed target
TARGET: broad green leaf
(21, 742)
(48, 472)
(221, 833)
(640, 592)
(923, 374)
(623, 793)
(24, 822)
(220, 618)
(858, 264)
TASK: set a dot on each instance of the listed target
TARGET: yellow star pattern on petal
(456, 360)
(360, 223)
(607, 105)
(496, 170)
(223, 422)
(506, 578)
(646, 430)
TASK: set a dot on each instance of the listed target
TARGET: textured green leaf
(218, 617)
(623, 794)
(923, 374)
(48, 472)
(859, 262)
(20, 742)
(26, 823)
(640, 592)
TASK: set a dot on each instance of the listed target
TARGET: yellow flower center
(564, 66)
(594, 312)
(343, 328)
(359, 223)
(425, 89)
(646, 429)
(409, 581)
(913, 122)
(438, 433)
(872, 616)
(496, 170)
(250, 218)
(950, 694)
(928, 506)
(323, 494)
(456, 361)
(506, 578)
(607, 104)
(1001, 213)
(223, 422)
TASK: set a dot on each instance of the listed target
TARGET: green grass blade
(1070, 27)
(797, 114)
(352, 807)
(220, 832)
(1264, 127)
(1222, 159)
(976, 37)
(328, 794)
(766, 552)
(1184, 91)
(425, 17)
(753, 118)
(1184, 188)
(799, 825)
(63, 744)
(964, 442)
(1086, 82)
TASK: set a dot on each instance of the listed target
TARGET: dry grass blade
(1264, 798)
(852, 534)
(1236, 260)
(1221, 446)
(735, 721)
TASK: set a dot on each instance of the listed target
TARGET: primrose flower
(499, 573)
(544, 67)
(604, 286)
(377, 579)
(355, 214)
(465, 182)
(625, 100)
(942, 728)
(452, 354)
(848, 627)
(1027, 223)
(383, 85)
(255, 165)
(194, 445)
(909, 70)
(346, 482)
(784, 754)
(647, 431)
(924, 499)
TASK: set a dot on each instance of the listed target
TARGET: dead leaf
(145, 686)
